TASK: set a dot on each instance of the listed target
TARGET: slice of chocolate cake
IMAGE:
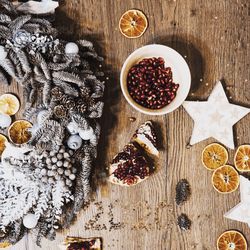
(76, 243)
(145, 136)
(129, 167)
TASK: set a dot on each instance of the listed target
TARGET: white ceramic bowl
(180, 69)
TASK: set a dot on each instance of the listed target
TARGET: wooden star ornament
(214, 117)
(241, 212)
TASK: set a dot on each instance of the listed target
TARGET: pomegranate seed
(150, 84)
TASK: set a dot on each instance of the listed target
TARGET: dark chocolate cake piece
(146, 137)
(129, 167)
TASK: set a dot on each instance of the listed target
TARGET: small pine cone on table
(81, 106)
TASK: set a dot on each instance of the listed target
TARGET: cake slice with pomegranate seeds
(129, 167)
(146, 137)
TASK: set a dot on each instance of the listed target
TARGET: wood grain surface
(213, 36)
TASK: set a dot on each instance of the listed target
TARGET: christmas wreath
(46, 181)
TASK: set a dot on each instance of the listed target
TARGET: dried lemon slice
(225, 179)
(3, 140)
(242, 158)
(18, 132)
(9, 104)
(231, 240)
(133, 23)
(214, 155)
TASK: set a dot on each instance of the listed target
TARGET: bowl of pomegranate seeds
(155, 79)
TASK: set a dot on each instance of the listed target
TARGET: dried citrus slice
(225, 179)
(9, 104)
(4, 244)
(3, 140)
(214, 155)
(231, 240)
(133, 23)
(242, 158)
(18, 132)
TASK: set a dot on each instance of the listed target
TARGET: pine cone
(68, 102)
(81, 106)
(60, 111)
(184, 222)
(57, 93)
(85, 91)
(182, 191)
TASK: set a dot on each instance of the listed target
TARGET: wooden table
(213, 36)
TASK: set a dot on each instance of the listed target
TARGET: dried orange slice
(9, 104)
(3, 140)
(214, 155)
(242, 158)
(133, 23)
(18, 132)
(225, 179)
(231, 240)
(4, 244)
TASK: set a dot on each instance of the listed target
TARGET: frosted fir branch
(16, 231)
(96, 110)
(86, 44)
(68, 88)
(18, 23)
(8, 66)
(93, 55)
(59, 66)
(22, 195)
(68, 77)
(37, 71)
(3, 78)
(7, 4)
(41, 22)
(81, 121)
(46, 93)
(24, 61)
(33, 96)
(4, 18)
(4, 32)
(32, 28)
(43, 64)
(26, 92)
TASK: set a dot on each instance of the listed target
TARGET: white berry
(72, 177)
(71, 48)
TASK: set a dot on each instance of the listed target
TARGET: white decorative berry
(59, 163)
(71, 48)
(74, 142)
(68, 182)
(30, 221)
(66, 155)
(60, 171)
(5, 121)
(59, 156)
(66, 164)
(3, 53)
(86, 134)
(72, 177)
(54, 159)
(67, 172)
(72, 128)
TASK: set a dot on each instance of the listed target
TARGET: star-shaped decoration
(214, 117)
(241, 212)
